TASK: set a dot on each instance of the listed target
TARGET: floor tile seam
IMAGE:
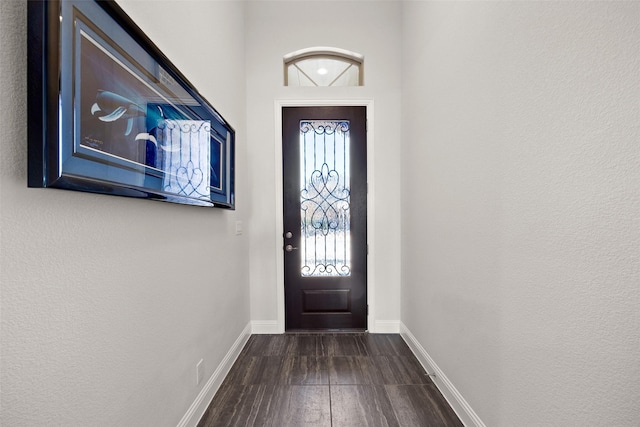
(282, 385)
(385, 393)
(382, 384)
(393, 406)
(330, 406)
(293, 354)
(436, 404)
(331, 354)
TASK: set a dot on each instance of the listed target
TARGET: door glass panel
(325, 197)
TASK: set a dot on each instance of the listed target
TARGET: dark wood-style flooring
(338, 380)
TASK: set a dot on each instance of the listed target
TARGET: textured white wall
(275, 28)
(108, 303)
(521, 205)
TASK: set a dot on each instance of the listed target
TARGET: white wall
(275, 28)
(108, 303)
(520, 206)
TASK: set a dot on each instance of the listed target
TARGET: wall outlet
(238, 227)
(199, 371)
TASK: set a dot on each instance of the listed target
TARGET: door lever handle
(290, 248)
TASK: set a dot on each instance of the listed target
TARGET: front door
(325, 217)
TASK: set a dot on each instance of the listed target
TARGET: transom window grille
(323, 66)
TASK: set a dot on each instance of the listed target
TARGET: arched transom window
(323, 66)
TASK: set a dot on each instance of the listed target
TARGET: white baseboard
(202, 402)
(386, 327)
(265, 327)
(464, 411)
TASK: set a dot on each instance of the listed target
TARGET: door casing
(368, 103)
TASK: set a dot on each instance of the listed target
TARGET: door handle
(290, 248)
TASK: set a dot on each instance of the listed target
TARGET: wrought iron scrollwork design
(325, 201)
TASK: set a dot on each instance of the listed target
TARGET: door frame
(279, 104)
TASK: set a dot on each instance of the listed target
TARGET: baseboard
(265, 327)
(202, 402)
(464, 411)
(386, 327)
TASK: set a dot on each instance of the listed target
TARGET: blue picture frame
(109, 113)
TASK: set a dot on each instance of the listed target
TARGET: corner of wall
(458, 403)
(385, 327)
(264, 327)
(204, 398)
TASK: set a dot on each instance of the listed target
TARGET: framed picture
(109, 113)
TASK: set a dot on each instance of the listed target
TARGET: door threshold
(325, 331)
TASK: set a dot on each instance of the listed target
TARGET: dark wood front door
(325, 217)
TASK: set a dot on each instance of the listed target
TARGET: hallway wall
(108, 303)
(520, 206)
(275, 28)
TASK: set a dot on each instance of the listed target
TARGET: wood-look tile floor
(337, 380)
